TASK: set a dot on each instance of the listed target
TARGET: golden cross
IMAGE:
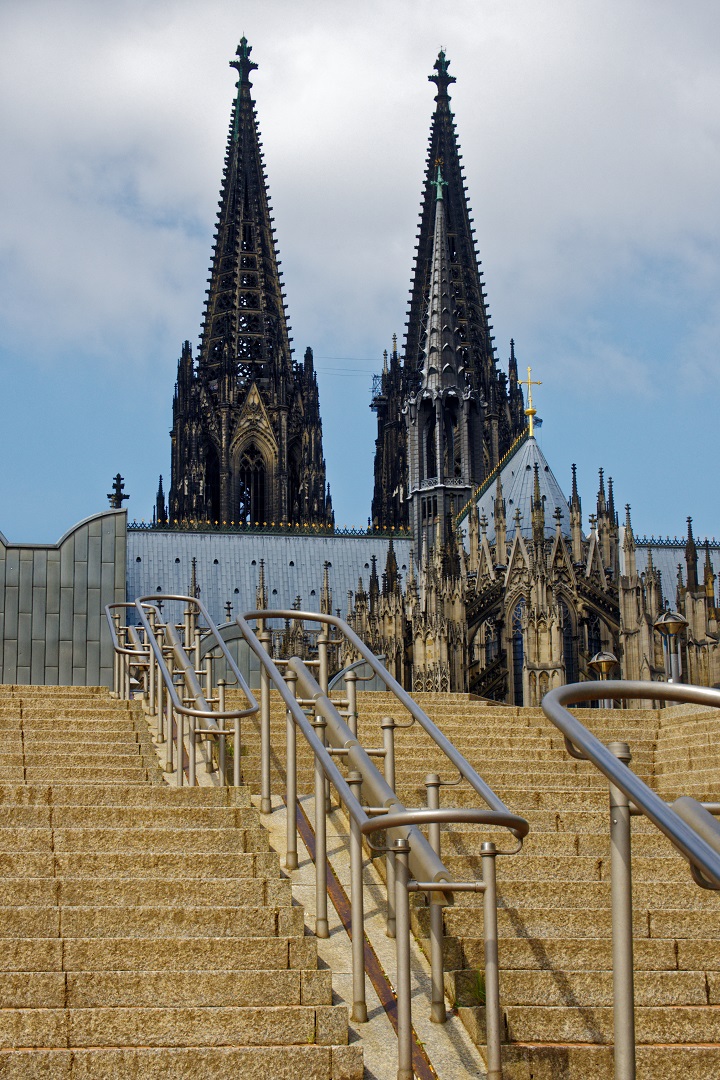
(530, 412)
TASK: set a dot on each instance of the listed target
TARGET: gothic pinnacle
(442, 77)
(243, 65)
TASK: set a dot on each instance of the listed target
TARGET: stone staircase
(554, 917)
(146, 931)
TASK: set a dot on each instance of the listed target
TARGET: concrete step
(653, 1024)
(111, 892)
(181, 1063)
(595, 988)
(196, 988)
(186, 922)
(181, 817)
(578, 868)
(86, 774)
(562, 923)
(158, 954)
(561, 955)
(130, 757)
(570, 1061)
(148, 839)
(268, 1025)
(169, 865)
(581, 895)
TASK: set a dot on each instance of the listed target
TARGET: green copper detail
(438, 183)
(442, 77)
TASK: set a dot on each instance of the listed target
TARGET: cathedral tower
(445, 416)
(246, 436)
(476, 368)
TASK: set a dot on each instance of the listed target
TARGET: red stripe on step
(421, 1063)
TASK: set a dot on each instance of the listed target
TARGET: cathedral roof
(517, 477)
(228, 564)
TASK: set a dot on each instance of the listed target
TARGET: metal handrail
(463, 766)
(340, 675)
(628, 795)
(406, 847)
(151, 657)
(213, 715)
(696, 850)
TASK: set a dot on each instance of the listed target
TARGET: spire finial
(442, 78)
(243, 65)
(530, 412)
(116, 496)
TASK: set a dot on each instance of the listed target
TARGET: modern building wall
(52, 598)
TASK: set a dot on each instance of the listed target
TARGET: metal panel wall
(52, 622)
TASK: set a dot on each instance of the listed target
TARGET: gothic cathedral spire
(475, 362)
(247, 435)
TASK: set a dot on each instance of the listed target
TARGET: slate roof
(666, 556)
(517, 476)
(228, 565)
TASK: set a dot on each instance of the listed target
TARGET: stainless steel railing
(156, 653)
(688, 824)
(413, 863)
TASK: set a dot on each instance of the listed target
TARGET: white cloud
(591, 136)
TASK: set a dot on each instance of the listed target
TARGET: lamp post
(603, 663)
(669, 626)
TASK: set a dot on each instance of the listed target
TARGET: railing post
(264, 638)
(493, 1025)
(180, 727)
(196, 641)
(152, 683)
(208, 676)
(222, 749)
(160, 705)
(116, 656)
(359, 1008)
(291, 855)
(321, 920)
(351, 693)
(192, 739)
(388, 732)
(622, 930)
(322, 644)
(401, 851)
(437, 1003)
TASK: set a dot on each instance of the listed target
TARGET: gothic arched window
(569, 645)
(518, 652)
(594, 637)
(251, 477)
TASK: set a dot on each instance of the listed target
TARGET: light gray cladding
(52, 599)
(228, 565)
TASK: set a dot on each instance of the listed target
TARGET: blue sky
(591, 142)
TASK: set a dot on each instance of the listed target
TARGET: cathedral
(477, 572)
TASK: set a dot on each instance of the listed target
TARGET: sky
(591, 141)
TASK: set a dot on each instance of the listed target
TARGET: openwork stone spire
(475, 367)
(247, 436)
(245, 326)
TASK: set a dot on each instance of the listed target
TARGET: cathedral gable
(254, 420)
